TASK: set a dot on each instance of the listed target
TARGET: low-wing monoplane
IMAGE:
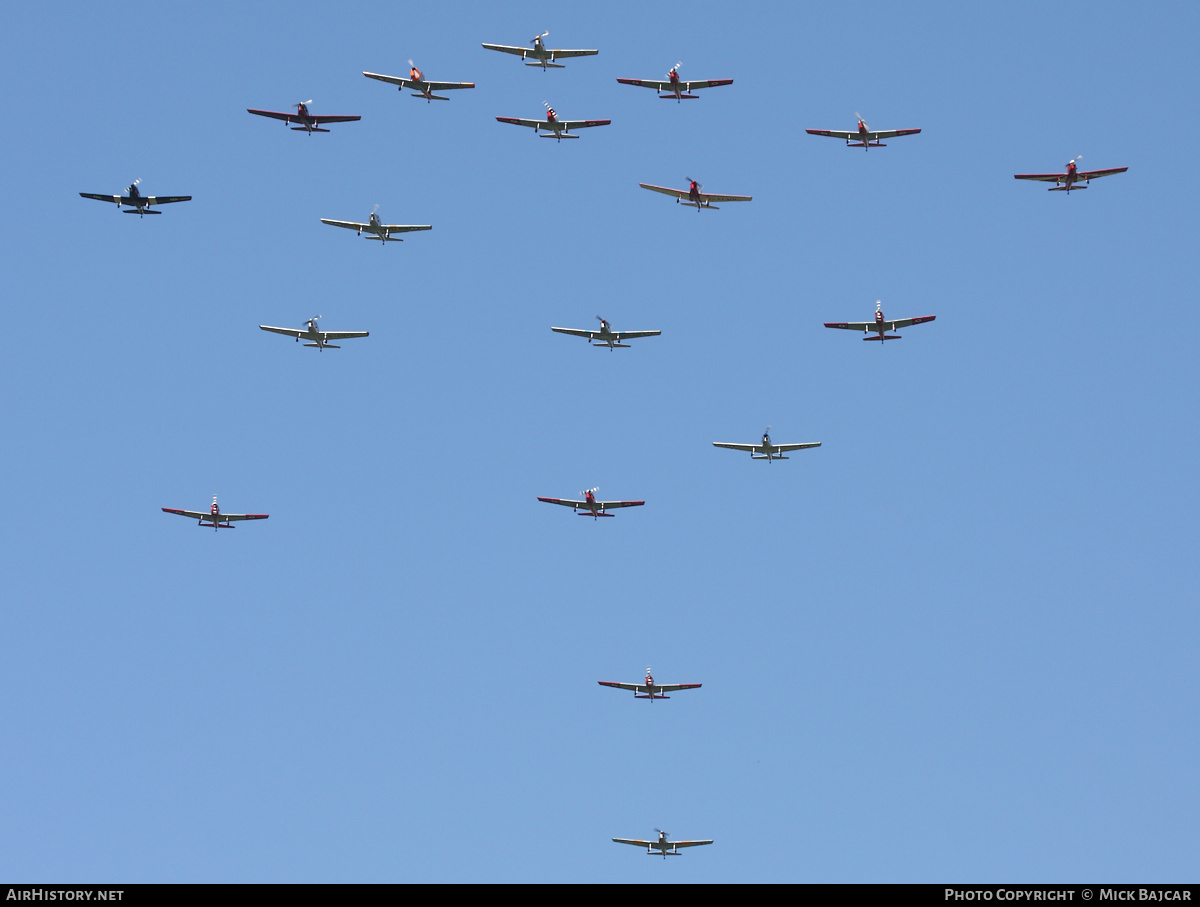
(139, 204)
(606, 336)
(215, 518)
(553, 126)
(650, 690)
(1065, 182)
(765, 450)
(863, 137)
(421, 87)
(662, 845)
(694, 197)
(315, 337)
(542, 55)
(589, 506)
(880, 325)
(676, 89)
(375, 230)
(309, 123)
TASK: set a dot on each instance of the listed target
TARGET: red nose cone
(415, 74)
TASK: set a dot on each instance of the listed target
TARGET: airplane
(319, 339)
(606, 335)
(542, 56)
(1065, 182)
(650, 690)
(865, 138)
(590, 506)
(694, 197)
(556, 128)
(417, 82)
(215, 518)
(879, 325)
(765, 450)
(309, 123)
(381, 232)
(662, 845)
(677, 90)
(140, 203)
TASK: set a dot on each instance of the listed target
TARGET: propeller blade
(411, 63)
(535, 38)
(376, 208)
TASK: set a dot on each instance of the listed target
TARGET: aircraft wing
(332, 119)
(190, 514)
(613, 505)
(688, 843)
(290, 332)
(892, 133)
(274, 114)
(834, 133)
(241, 516)
(1096, 174)
(517, 121)
(167, 199)
(563, 502)
(576, 332)
(786, 447)
(405, 228)
(708, 197)
(572, 53)
(750, 447)
(634, 842)
(636, 687)
(672, 687)
(583, 124)
(634, 335)
(656, 84)
(344, 335)
(905, 322)
(851, 325)
(102, 198)
(1042, 177)
(674, 193)
(507, 49)
(685, 87)
(348, 224)
(392, 80)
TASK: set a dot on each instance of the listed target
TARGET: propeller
(590, 491)
(858, 116)
(536, 38)
(129, 188)
(302, 104)
(690, 181)
(411, 63)
(675, 68)
(1077, 157)
(661, 832)
(598, 318)
(373, 210)
(315, 319)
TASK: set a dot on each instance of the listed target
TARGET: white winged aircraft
(542, 55)
(553, 127)
(662, 845)
(606, 335)
(215, 518)
(314, 337)
(421, 87)
(376, 230)
(139, 204)
(649, 690)
(862, 137)
(765, 450)
(694, 197)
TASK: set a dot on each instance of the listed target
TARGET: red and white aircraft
(650, 690)
(863, 137)
(589, 506)
(417, 82)
(554, 127)
(695, 198)
(309, 123)
(662, 845)
(880, 325)
(1065, 182)
(215, 518)
(606, 335)
(675, 88)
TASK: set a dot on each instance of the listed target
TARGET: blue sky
(955, 642)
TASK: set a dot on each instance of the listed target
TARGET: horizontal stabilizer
(551, 65)
(331, 346)
(671, 97)
(650, 696)
(886, 337)
(590, 513)
(432, 97)
(306, 129)
(765, 457)
(623, 346)
(558, 135)
(1051, 189)
(385, 239)
(140, 211)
